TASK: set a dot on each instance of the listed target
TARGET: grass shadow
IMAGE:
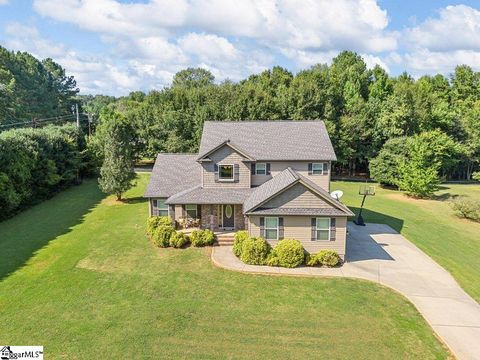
(133, 200)
(23, 235)
(379, 218)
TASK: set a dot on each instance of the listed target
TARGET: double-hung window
(261, 169)
(191, 210)
(323, 229)
(271, 228)
(225, 172)
(319, 168)
(160, 208)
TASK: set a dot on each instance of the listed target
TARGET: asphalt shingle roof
(299, 211)
(199, 195)
(283, 180)
(271, 140)
(173, 173)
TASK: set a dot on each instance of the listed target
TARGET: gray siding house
(271, 178)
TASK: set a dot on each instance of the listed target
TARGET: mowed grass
(430, 224)
(79, 277)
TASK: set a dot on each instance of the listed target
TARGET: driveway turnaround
(378, 253)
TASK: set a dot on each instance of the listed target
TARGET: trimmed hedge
(240, 237)
(178, 240)
(201, 238)
(288, 253)
(154, 222)
(328, 258)
(36, 163)
(161, 236)
(255, 251)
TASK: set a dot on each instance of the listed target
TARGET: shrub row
(163, 234)
(287, 253)
(36, 163)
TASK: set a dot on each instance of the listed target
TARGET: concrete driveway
(377, 253)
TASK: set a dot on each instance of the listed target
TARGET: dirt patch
(405, 198)
(111, 201)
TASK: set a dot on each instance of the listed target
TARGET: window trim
(265, 228)
(322, 165)
(317, 229)
(156, 209)
(196, 210)
(232, 179)
(264, 170)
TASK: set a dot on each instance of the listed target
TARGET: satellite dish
(337, 194)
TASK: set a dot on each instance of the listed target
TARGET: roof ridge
(293, 173)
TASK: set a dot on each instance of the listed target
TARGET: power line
(44, 120)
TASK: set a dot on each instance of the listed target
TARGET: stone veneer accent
(209, 217)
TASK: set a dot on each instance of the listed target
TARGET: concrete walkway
(377, 253)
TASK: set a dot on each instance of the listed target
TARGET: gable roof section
(230, 145)
(270, 140)
(173, 173)
(284, 181)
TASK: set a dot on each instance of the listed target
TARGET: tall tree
(117, 172)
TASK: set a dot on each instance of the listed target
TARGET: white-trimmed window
(225, 173)
(191, 210)
(323, 229)
(160, 208)
(261, 169)
(271, 228)
(320, 168)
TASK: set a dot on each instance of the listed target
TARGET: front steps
(225, 239)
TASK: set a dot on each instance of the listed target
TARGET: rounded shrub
(202, 237)
(161, 236)
(328, 258)
(154, 222)
(178, 239)
(255, 251)
(288, 253)
(240, 237)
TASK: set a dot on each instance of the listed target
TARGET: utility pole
(78, 117)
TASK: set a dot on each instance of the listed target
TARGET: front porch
(222, 218)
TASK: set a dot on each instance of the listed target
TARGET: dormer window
(225, 172)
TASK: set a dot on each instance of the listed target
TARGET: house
(271, 178)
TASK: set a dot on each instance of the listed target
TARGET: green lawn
(78, 276)
(431, 225)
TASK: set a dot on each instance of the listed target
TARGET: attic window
(225, 172)
(261, 168)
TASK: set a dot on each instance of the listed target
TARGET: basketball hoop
(365, 190)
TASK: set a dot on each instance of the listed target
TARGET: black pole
(359, 220)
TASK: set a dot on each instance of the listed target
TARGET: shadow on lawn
(26, 233)
(379, 218)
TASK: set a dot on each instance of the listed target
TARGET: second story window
(318, 168)
(225, 172)
(260, 169)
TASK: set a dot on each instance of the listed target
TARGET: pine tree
(117, 172)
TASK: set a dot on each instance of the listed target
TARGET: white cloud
(456, 28)
(439, 44)
(208, 47)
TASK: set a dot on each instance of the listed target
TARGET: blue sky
(114, 47)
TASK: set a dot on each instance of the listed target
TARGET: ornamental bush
(466, 208)
(178, 240)
(288, 253)
(328, 258)
(161, 236)
(255, 251)
(240, 237)
(201, 238)
(154, 222)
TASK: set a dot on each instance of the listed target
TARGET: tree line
(30, 88)
(364, 110)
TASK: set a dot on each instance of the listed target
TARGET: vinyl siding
(301, 166)
(298, 196)
(299, 228)
(225, 155)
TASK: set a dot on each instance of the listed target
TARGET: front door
(228, 222)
